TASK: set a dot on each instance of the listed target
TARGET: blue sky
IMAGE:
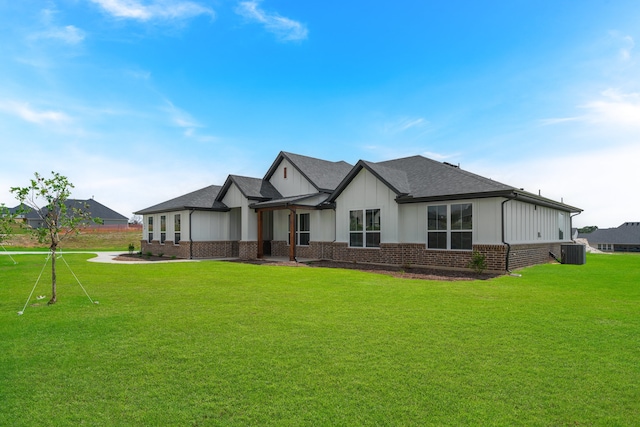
(139, 101)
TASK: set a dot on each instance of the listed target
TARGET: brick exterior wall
(315, 250)
(248, 250)
(403, 254)
(418, 255)
(213, 249)
(526, 255)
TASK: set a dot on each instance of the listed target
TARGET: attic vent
(452, 165)
(285, 173)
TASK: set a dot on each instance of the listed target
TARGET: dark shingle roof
(203, 199)
(419, 179)
(251, 188)
(429, 178)
(95, 208)
(626, 234)
(324, 175)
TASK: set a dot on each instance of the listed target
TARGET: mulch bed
(139, 257)
(412, 272)
(423, 273)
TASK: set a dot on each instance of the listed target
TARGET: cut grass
(214, 343)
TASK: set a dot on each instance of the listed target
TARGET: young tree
(47, 197)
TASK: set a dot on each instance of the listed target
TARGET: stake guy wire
(46, 261)
(5, 249)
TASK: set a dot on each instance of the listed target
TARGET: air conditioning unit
(573, 254)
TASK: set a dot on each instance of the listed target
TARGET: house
(409, 211)
(96, 209)
(625, 238)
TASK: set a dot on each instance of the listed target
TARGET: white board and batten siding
(206, 225)
(209, 226)
(486, 221)
(294, 184)
(248, 219)
(322, 224)
(529, 223)
(367, 192)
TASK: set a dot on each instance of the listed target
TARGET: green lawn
(214, 343)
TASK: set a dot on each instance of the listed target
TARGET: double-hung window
(163, 228)
(303, 229)
(150, 229)
(176, 229)
(364, 228)
(450, 226)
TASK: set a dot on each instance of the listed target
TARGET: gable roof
(251, 188)
(419, 179)
(627, 233)
(202, 199)
(324, 175)
(96, 209)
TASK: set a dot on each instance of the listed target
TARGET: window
(303, 226)
(364, 228)
(450, 226)
(303, 229)
(150, 229)
(437, 227)
(560, 226)
(284, 173)
(163, 228)
(176, 229)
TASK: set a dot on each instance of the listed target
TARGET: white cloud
(24, 111)
(284, 28)
(162, 10)
(182, 119)
(624, 44)
(612, 109)
(404, 124)
(68, 34)
(178, 117)
(601, 182)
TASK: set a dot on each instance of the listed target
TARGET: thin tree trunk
(54, 295)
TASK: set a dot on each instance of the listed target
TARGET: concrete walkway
(104, 257)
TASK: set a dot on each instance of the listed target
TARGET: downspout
(190, 237)
(503, 233)
(571, 224)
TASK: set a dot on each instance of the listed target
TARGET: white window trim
(364, 228)
(297, 231)
(449, 231)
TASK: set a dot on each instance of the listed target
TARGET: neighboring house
(97, 210)
(625, 238)
(410, 211)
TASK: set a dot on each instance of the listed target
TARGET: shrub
(478, 262)
(131, 248)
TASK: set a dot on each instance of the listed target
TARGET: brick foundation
(212, 249)
(525, 255)
(248, 250)
(407, 254)
(403, 254)
(315, 250)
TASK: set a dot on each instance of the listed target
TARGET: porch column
(292, 234)
(260, 239)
